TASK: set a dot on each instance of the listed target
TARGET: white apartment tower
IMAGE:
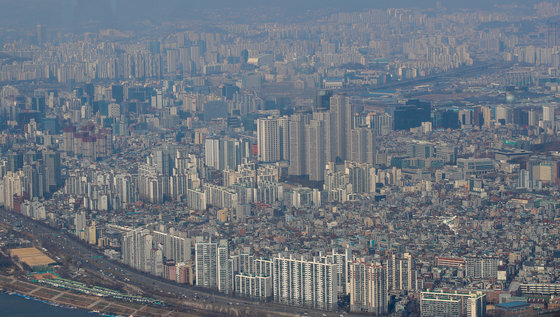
(268, 138)
(206, 265)
(213, 266)
(368, 288)
(224, 267)
(401, 273)
(309, 283)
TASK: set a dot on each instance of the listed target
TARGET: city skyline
(253, 158)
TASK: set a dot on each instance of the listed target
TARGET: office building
(411, 115)
(476, 166)
(543, 171)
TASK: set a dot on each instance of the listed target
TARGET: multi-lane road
(89, 259)
(441, 79)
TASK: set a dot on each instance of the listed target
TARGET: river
(17, 306)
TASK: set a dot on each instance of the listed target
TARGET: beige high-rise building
(487, 116)
(12, 185)
(532, 118)
(92, 234)
(548, 113)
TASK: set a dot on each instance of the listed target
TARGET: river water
(17, 306)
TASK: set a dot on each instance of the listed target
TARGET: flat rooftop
(512, 305)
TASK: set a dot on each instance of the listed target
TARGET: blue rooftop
(512, 305)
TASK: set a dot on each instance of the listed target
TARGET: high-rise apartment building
(548, 116)
(269, 140)
(362, 145)
(173, 247)
(225, 152)
(482, 267)
(206, 265)
(224, 267)
(381, 123)
(137, 251)
(317, 148)
(284, 132)
(553, 33)
(401, 273)
(40, 34)
(300, 282)
(51, 161)
(341, 116)
(341, 260)
(172, 60)
(213, 266)
(80, 224)
(298, 161)
(11, 185)
(368, 288)
(252, 277)
(253, 286)
(548, 113)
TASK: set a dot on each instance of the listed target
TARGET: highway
(444, 77)
(88, 258)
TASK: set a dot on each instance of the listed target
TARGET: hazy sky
(124, 12)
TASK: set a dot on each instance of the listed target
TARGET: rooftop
(511, 305)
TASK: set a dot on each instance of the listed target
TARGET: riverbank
(53, 297)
